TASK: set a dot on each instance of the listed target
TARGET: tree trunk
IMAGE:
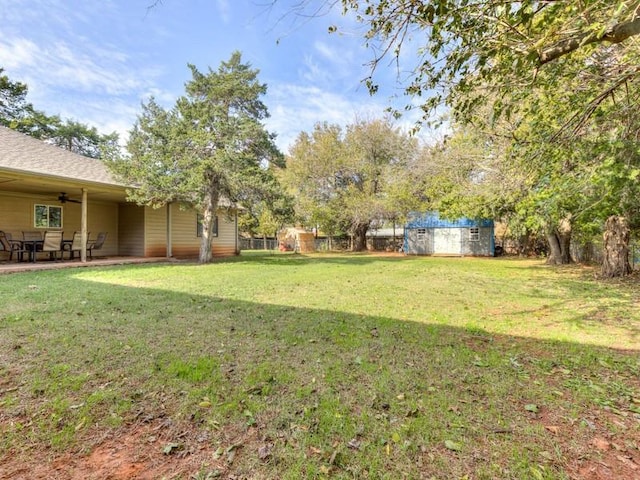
(559, 240)
(360, 237)
(555, 252)
(615, 261)
(208, 218)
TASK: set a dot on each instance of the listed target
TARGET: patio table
(32, 247)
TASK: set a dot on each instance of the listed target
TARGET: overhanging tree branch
(616, 34)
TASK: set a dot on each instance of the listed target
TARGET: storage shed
(428, 234)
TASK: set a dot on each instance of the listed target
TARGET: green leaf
(451, 445)
(634, 409)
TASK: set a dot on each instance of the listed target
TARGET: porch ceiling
(53, 186)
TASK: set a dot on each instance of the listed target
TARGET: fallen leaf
(451, 445)
(170, 448)
(478, 362)
(81, 424)
(627, 462)
(546, 455)
(553, 428)
(315, 451)
(354, 444)
(264, 452)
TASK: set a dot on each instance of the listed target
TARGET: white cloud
(224, 10)
(18, 53)
(296, 108)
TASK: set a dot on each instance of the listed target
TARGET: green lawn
(327, 366)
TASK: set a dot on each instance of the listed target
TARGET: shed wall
(427, 234)
(449, 241)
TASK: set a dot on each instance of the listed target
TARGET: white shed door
(447, 240)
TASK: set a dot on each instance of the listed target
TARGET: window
(422, 233)
(47, 216)
(214, 232)
(474, 234)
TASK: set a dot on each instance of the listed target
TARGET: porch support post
(83, 227)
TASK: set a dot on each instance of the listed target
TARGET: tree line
(19, 114)
(541, 100)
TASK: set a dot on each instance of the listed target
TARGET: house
(428, 234)
(43, 187)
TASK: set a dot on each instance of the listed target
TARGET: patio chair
(7, 244)
(75, 245)
(52, 243)
(97, 243)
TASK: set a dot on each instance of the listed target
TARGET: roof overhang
(43, 184)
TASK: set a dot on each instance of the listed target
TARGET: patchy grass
(324, 366)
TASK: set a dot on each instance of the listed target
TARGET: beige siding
(155, 229)
(131, 230)
(184, 239)
(17, 215)
(226, 242)
(101, 217)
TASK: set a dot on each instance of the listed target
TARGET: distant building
(428, 234)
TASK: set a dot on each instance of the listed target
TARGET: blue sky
(96, 61)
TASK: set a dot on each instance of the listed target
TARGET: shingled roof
(21, 153)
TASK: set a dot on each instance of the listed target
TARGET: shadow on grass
(322, 391)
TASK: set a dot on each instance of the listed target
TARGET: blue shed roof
(433, 220)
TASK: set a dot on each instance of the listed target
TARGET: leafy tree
(562, 66)
(16, 113)
(312, 177)
(82, 139)
(342, 180)
(267, 215)
(469, 48)
(212, 143)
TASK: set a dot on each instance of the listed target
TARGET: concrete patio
(15, 267)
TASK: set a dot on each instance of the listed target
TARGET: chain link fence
(258, 244)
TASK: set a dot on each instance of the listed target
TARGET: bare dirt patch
(597, 453)
(138, 452)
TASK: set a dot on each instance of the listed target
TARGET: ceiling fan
(62, 198)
